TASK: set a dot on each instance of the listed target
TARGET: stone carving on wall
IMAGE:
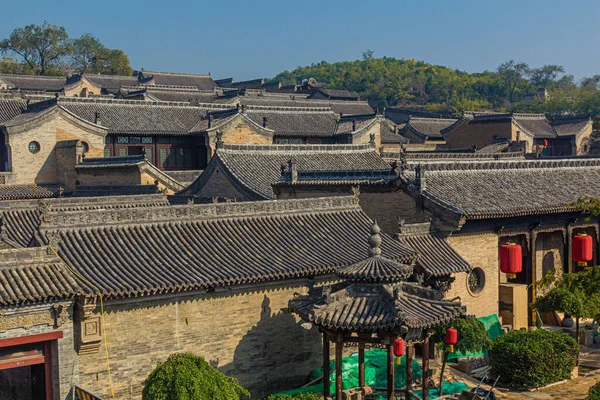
(55, 316)
(89, 326)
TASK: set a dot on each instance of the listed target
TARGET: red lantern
(545, 143)
(583, 246)
(511, 260)
(398, 349)
(451, 338)
(308, 87)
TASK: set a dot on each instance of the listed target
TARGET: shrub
(299, 396)
(594, 392)
(526, 360)
(188, 377)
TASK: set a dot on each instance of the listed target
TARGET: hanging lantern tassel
(451, 338)
(399, 350)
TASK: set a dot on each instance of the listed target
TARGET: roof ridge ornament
(375, 240)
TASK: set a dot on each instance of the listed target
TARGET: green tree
(116, 63)
(88, 53)
(472, 337)
(546, 76)
(41, 47)
(186, 377)
(513, 74)
(576, 294)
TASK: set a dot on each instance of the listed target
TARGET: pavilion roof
(375, 268)
(371, 308)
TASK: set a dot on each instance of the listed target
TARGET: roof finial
(375, 240)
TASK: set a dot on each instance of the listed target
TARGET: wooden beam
(42, 337)
(21, 362)
(361, 364)
(390, 372)
(339, 346)
(425, 368)
(326, 359)
(409, 350)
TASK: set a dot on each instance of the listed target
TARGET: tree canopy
(513, 86)
(48, 50)
(186, 376)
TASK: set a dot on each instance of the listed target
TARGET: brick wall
(387, 207)
(365, 137)
(481, 134)
(481, 251)
(246, 334)
(40, 167)
(110, 176)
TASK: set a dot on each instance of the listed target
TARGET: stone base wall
(245, 334)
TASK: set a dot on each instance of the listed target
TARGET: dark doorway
(135, 150)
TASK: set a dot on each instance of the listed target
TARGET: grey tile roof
(494, 148)
(290, 100)
(35, 82)
(111, 83)
(134, 252)
(501, 189)
(16, 192)
(537, 125)
(34, 275)
(288, 121)
(435, 255)
(570, 126)
(373, 308)
(202, 82)
(104, 162)
(10, 108)
(428, 127)
(258, 167)
(344, 177)
(20, 220)
(126, 116)
(441, 156)
(389, 135)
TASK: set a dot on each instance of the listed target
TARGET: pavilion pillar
(326, 359)
(361, 364)
(339, 346)
(409, 350)
(426, 368)
(390, 371)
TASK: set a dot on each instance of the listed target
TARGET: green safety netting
(375, 375)
(493, 328)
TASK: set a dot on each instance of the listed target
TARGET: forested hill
(513, 86)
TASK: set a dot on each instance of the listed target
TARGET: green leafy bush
(189, 377)
(594, 392)
(526, 360)
(299, 396)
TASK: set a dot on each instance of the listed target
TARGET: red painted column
(48, 369)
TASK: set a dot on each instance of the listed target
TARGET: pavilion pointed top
(375, 268)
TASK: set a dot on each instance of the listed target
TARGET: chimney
(209, 116)
(264, 122)
(353, 124)
(293, 168)
(396, 130)
(97, 119)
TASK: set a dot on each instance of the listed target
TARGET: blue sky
(248, 39)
